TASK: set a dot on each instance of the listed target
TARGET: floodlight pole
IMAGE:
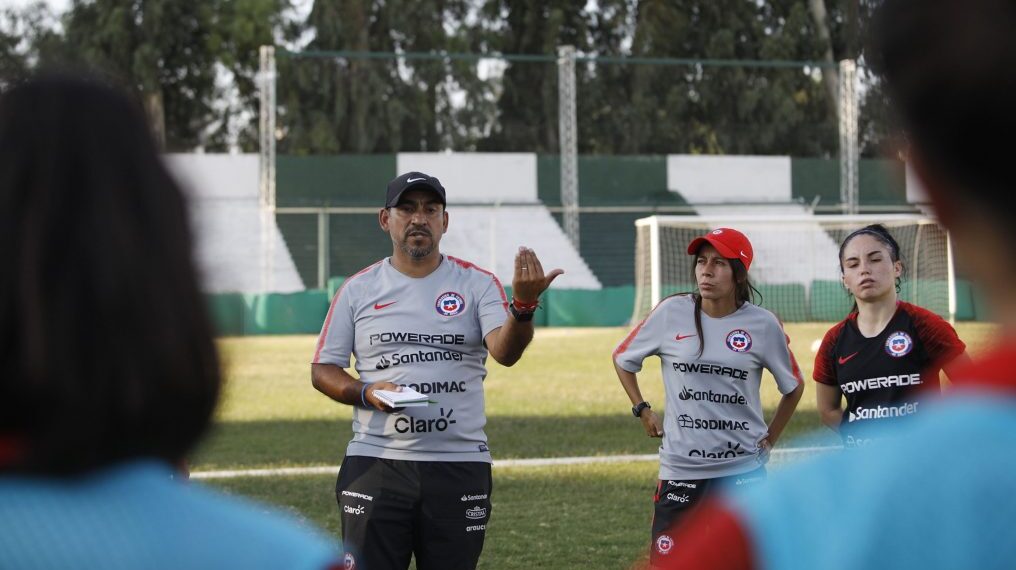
(848, 137)
(266, 174)
(568, 137)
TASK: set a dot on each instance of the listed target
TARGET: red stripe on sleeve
(635, 331)
(794, 368)
(628, 339)
(468, 265)
(938, 337)
(825, 368)
(328, 317)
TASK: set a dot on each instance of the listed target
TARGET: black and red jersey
(886, 376)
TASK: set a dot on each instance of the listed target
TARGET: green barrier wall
(829, 302)
(343, 180)
(982, 312)
(788, 301)
(228, 311)
(290, 313)
(236, 314)
(610, 307)
(880, 182)
(964, 301)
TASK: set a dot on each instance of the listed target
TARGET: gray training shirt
(714, 413)
(426, 333)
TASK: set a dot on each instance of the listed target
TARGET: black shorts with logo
(393, 509)
(675, 500)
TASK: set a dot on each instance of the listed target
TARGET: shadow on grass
(323, 442)
(593, 516)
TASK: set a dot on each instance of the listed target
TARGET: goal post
(796, 264)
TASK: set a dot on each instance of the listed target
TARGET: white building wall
(704, 179)
(233, 239)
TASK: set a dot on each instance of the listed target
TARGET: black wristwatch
(520, 316)
(636, 410)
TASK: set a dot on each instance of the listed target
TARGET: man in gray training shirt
(417, 480)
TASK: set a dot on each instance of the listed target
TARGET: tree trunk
(830, 75)
(359, 104)
(156, 116)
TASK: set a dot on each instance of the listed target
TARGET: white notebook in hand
(406, 398)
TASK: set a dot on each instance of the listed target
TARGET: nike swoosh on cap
(414, 180)
(381, 306)
(743, 254)
(844, 359)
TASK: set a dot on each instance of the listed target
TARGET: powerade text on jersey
(885, 378)
(426, 333)
(713, 420)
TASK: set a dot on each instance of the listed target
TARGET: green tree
(26, 38)
(172, 51)
(333, 104)
(712, 109)
(528, 105)
(164, 48)
(241, 28)
(849, 22)
(13, 61)
(646, 108)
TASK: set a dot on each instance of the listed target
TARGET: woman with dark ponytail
(887, 354)
(713, 345)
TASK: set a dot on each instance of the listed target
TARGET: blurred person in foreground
(940, 493)
(108, 370)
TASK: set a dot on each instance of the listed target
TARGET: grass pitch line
(779, 456)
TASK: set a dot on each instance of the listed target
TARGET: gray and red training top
(426, 333)
(714, 415)
(886, 376)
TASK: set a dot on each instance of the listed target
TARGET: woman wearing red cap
(886, 355)
(713, 345)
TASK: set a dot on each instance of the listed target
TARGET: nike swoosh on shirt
(682, 337)
(844, 359)
(409, 180)
(380, 306)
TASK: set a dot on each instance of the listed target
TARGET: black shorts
(676, 499)
(393, 509)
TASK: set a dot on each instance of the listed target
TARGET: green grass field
(561, 400)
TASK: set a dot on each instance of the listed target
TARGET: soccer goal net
(796, 264)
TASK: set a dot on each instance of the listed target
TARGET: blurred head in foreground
(106, 350)
(108, 371)
(941, 494)
(950, 68)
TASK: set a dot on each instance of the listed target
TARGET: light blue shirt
(135, 515)
(940, 494)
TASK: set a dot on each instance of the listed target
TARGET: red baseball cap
(731, 244)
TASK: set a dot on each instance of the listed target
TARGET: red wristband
(525, 306)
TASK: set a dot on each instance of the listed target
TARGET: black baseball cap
(409, 180)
